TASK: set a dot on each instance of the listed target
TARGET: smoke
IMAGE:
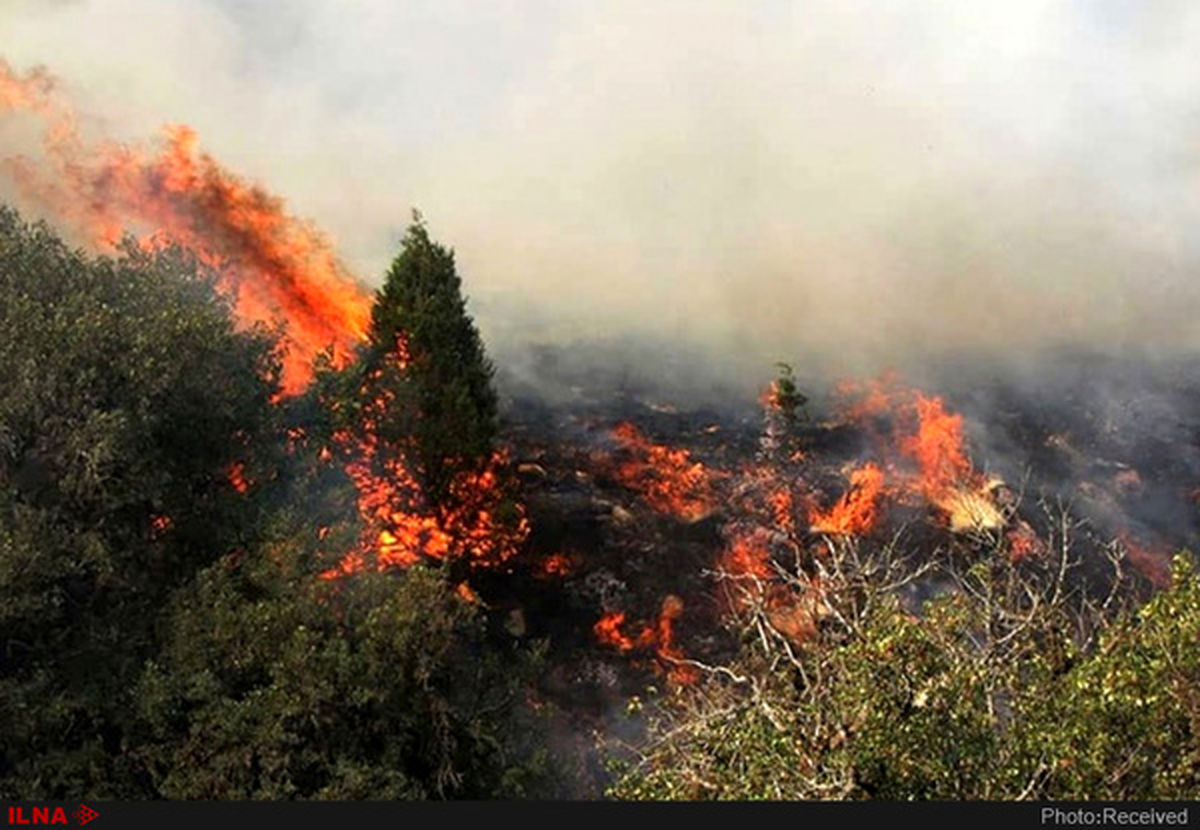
(847, 185)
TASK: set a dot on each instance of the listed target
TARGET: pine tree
(426, 350)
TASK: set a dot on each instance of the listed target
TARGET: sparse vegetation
(1010, 680)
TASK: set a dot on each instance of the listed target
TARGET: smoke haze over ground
(847, 184)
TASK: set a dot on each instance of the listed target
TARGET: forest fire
(924, 451)
(276, 268)
(564, 496)
(401, 529)
(669, 479)
(658, 638)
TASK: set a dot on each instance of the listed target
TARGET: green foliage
(787, 397)
(276, 685)
(1129, 718)
(986, 693)
(126, 396)
(164, 634)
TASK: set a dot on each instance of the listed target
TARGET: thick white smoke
(847, 184)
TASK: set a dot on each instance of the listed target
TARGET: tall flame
(924, 435)
(937, 447)
(275, 267)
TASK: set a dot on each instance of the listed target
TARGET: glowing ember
(556, 564)
(669, 480)
(467, 594)
(159, 525)
(608, 631)
(1023, 543)
(237, 477)
(275, 267)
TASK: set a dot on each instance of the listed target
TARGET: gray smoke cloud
(847, 184)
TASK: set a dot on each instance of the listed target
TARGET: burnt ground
(1115, 443)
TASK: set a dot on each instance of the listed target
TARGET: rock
(622, 516)
(533, 471)
(515, 624)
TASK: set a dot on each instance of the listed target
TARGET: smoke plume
(845, 184)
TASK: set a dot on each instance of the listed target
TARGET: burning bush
(413, 421)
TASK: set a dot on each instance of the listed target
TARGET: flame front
(276, 268)
(924, 450)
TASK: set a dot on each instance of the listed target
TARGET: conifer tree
(427, 356)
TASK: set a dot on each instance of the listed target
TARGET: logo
(49, 815)
(83, 814)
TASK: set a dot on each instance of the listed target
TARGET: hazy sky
(847, 181)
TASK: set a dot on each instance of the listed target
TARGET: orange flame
(274, 267)
(556, 564)
(668, 650)
(1023, 543)
(937, 447)
(747, 556)
(159, 525)
(872, 398)
(608, 631)
(925, 433)
(857, 511)
(669, 480)
(660, 638)
(467, 594)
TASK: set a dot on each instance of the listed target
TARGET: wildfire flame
(858, 510)
(659, 638)
(276, 268)
(669, 480)
(927, 437)
(556, 564)
(608, 631)
(1153, 563)
(237, 477)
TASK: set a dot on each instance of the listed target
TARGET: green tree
(417, 414)
(126, 398)
(278, 684)
(425, 348)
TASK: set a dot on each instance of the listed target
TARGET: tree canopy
(165, 626)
